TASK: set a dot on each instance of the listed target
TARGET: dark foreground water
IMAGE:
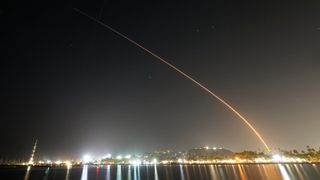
(164, 172)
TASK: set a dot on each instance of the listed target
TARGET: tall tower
(31, 160)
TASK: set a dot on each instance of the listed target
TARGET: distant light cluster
(202, 155)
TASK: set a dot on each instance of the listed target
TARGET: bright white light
(207, 147)
(128, 156)
(58, 162)
(86, 158)
(284, 172)
(68, 164)
(108, 156)
(180, 161)
(154, 161)
(276, 157)
(164, 162)
(119, 157)
(136, 162)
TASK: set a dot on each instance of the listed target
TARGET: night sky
(79, 88)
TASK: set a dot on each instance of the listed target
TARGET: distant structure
(31, 160)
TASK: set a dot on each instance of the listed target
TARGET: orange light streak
(183, 74)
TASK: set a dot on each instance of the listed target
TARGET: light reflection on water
(84, 175)
(26, 176)
(119, 174)
(242, 174)
(155, 173)
(284, 172)
(180, 172)
(135, 177)
(67, 174)
(108, 172)
(46, 174)
(129, 172)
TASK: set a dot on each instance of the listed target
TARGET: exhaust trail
(180, 72)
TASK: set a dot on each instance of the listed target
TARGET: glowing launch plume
(182, 73)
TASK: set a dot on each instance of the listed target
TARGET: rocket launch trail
(183, 74)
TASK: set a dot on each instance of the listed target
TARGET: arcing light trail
(182, 73)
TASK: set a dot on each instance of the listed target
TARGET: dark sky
(79, 88)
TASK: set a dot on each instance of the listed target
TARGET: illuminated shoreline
(196, 156)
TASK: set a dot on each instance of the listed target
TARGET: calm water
(160, 172)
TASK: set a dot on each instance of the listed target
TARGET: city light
(136, 162)
(276, 157)
(201, 155)
(154, 161)
(58, 162)
(119, 157)
(86, 159)
(108, 156)
(68, 164)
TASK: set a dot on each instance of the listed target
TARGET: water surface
(164, 172)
